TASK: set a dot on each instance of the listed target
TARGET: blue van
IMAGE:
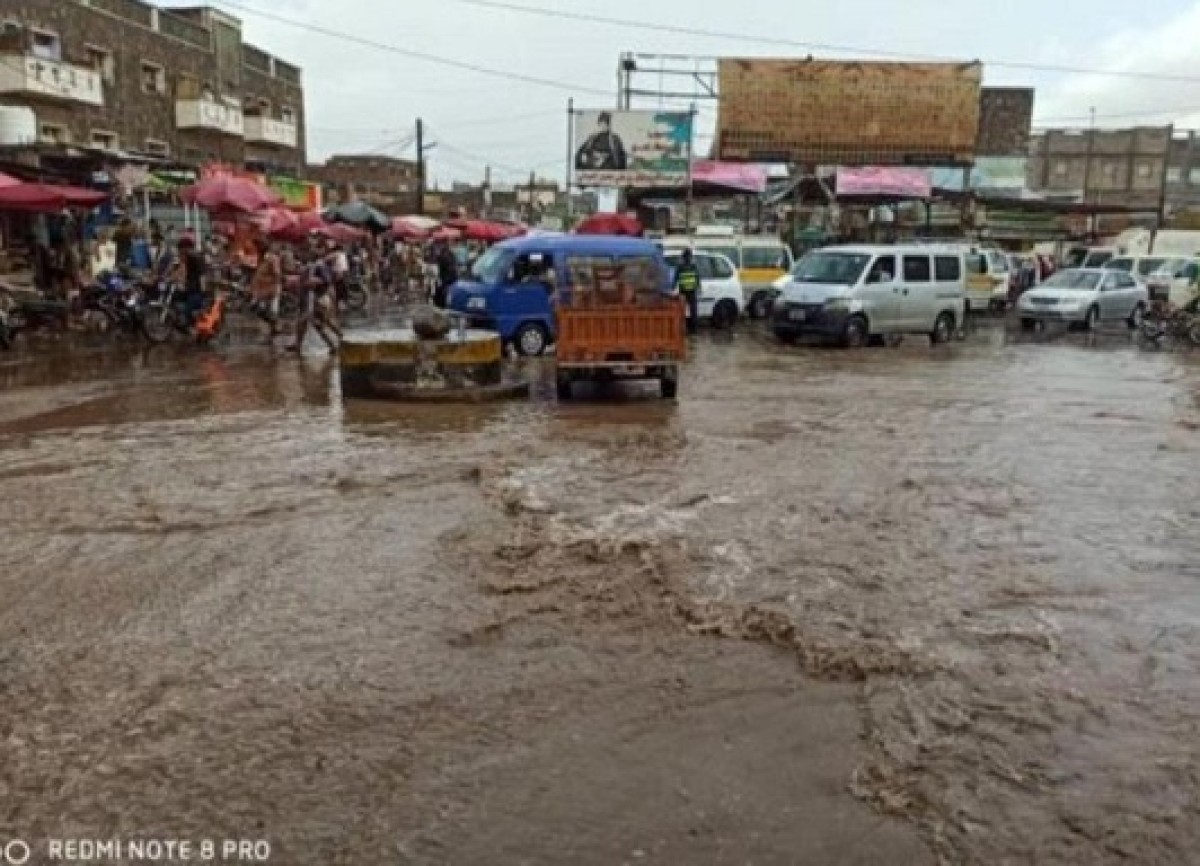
(510, 289)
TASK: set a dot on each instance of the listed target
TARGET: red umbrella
(231, 193)
(342, 233)
(446, 233)
(7, 181)
(413, 228)
(610, 224)
(45, 197)
(485, 230)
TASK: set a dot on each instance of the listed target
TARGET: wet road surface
(893, 606)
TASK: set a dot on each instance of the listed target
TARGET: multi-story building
(129, 78)
(1101, 166)
(384, 182)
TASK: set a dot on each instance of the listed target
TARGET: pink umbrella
(446, 233)
(413, 228)
(231, 193)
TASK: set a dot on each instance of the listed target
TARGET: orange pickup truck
(617, 322)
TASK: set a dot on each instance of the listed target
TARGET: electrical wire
(413, 54)
(681, 30)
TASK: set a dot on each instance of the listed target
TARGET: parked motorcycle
(1159, 327)
(116, 298)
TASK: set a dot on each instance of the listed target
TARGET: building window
(53, 133)
(287, 114)
(1194, 177)
(103, 62)
(154, 78)
(1110, 170)
(105, 140)
(1174, 175)
(45, 44)
(154, 147)
(1060, 169)
(1143, 171)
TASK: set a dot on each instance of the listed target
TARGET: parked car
(760, 260)
(1176, 276)
(860, 293)
(1086, 297)
(721, 298)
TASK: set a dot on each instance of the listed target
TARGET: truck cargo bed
(621, 335)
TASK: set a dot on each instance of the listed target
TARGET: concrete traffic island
(429, 362)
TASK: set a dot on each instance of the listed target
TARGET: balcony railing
(218, 116)
(29, 75)
(267, 130)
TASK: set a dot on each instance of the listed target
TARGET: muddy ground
(903, 605)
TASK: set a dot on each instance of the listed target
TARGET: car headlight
(477, 303)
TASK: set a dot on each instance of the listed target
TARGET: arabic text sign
(631, 148)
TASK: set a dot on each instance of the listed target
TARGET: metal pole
(420, 167)
(1162, 194)
(570, 159)
(687, 211)
(1087, 174)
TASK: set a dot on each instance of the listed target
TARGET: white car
(1087, 297)
(721, 298)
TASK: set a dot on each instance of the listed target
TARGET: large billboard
(848, 113)
(632, 148)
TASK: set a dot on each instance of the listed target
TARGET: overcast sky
(365, 99)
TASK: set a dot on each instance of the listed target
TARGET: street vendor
(266, 287)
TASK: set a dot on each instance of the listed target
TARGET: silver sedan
(1087, 297)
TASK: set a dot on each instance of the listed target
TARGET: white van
(856, 294)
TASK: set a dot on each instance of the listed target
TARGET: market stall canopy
(229, 193)
(45, 197)
(610, 224)
(446, 233)
(360, 214)
(485, 230)
(413, 228)
(875, 183)
(730, 175)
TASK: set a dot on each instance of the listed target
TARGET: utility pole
(1087, 172)
(532, 194)
(420, 167)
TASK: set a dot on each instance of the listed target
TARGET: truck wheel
(725, 315)
(564, 387)
(1029, 324)
(531, 340)
(669, 385)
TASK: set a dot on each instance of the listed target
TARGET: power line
(410, 53)
(681, 30)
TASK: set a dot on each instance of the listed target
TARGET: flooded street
(902, 605)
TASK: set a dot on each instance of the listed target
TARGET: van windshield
(491, 267)
(842, 269)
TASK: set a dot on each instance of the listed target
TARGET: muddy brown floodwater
(903, 605)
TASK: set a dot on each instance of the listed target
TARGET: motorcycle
(167, 314)
(116, 298)
(1160, 327)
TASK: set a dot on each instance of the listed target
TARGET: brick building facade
(384, 182)
(1102, 166)
(127, 77)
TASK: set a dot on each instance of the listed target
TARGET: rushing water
(997, 543)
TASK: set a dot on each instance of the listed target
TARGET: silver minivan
(857, 293)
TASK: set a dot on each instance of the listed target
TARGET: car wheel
(943, 329)
(760, 306)
(1029, 324)
(1092, 321)
(1137, 317)
(531, 340)
(725, 315)
(857, 333)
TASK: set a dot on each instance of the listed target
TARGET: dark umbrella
(359, 214)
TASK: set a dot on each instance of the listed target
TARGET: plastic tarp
(905, 183)
(730, 175)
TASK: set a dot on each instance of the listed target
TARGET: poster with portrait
(631, 148)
